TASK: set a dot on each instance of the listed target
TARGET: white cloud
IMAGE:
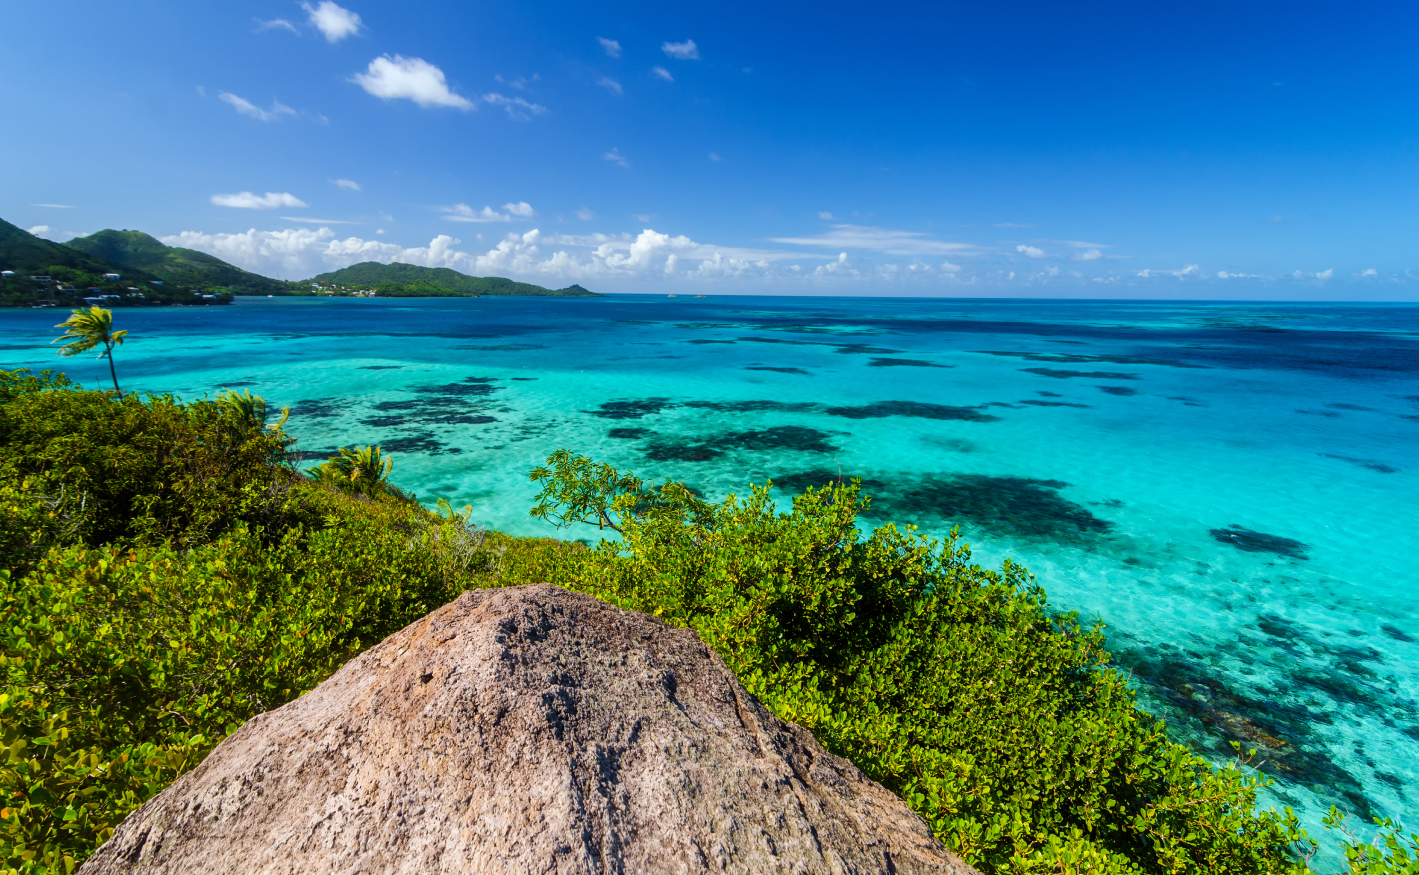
(465, 213)
(349, 184)
(395, 77)
(1031, 251)
(1326, 274)
(1369, 271)
(335, 21)
(715, 157)
(1088, 255)
(522, 209)
(1190, 270)
(825, 215)
(610, 84)
(1053, 271)
(516, 107)
(1233, 275)
(1080, 244)
(304, 221)
(55, 206)
(585, 215)
(662, 73)
(248, 201)
(642, 217)
(612, 47)
(276, 24)
(246, 107)
(41, 230)
(879, 239)
(1145, 273)
(615, 157)
(686, 51)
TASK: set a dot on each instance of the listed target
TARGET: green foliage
(999, 722)
(166, 576)
(253, 408)
(406, 280)
(86, 329)
(363, 470)
(1388, 853)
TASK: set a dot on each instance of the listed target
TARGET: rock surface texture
(525, 730)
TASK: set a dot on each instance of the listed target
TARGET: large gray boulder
(525, 730)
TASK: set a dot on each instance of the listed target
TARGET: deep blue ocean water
(1230, 487)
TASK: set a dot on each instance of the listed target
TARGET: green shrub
(999, 722)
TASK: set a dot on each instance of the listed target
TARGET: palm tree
(252, 408)
(87, 329)
(363, 469)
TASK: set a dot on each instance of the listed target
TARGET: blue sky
(1203, 150)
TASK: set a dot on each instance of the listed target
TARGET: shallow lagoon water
(1230, 488)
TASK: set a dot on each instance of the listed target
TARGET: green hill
(410, 280)
(75, 274)
(26, 254)
(134, 249)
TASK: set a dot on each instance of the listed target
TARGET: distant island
(35, 272)
(411, 281)
(134, 269)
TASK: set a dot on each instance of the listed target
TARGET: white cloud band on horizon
(886, 240)
(393, 77)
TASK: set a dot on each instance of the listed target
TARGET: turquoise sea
(1230, 487)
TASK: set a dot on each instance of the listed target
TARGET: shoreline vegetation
(169, 571)
(132, 269)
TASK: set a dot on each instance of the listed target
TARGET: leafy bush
(953, 685)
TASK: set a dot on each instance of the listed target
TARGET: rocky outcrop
(525, 730)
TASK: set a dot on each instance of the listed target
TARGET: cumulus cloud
(247, 201)
(878, 239)
(1326, 274)
(521, 209)
(1233, 275)
(394, 77)
(333, 20)
(1031, 251)
(662, 73)
(612, 47)
(615, 157)
(1088, 255)
(1369, 271)
(246, 107)
(516, 107)
(610, 84)
(686, 51)
(348, 184)
(1190, 270)
(276, 24)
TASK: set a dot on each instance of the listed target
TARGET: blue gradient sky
(1206, 150)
